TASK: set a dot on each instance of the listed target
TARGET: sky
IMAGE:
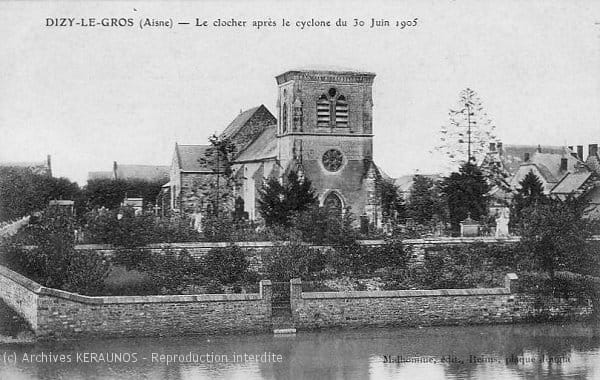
(89, 96)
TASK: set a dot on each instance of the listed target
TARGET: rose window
(332, 160)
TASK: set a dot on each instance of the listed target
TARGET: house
(149, 173)
(36, 167)
(405, 183)
(584, 182)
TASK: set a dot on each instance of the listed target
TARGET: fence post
(511, 281)
(295, 293)
(266, 293)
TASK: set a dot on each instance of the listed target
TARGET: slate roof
(263, 147)
(234, 127)
(572, 182)
(142, 172)
(406, 182)
(189, 156)
(100, 175)
(512, 156)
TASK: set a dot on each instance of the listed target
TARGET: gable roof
(572, 182)
(263, 147)
(234, 127)
(142, 172)
(405, 182)
(512, 156)
(188, 157)
(100, 175)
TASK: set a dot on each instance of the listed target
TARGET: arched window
(333, 203)
(332, 110)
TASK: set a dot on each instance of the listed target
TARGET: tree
(392, 203)
(218, 190)
(54, 262)
(424, 200)
(23, 192)
(467, 136)
(554, 237)
(529, 193)
(322, 225)
(110, 193)
(277, 202)
(466, 194)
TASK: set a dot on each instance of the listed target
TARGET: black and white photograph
(299, 189)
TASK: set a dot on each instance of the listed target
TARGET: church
(323, 130)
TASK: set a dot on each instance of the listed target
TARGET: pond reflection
(551, 351)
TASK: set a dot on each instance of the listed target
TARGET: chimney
(526, 157)
(500, 147)
(593, 150)
(580, 152)
(563, 164)
(115, 170)
(492, 147)
(49, 163)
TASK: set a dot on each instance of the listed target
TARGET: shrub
(227, 265)
(130, 230)
(320, 225)
(286, 261)
(169, 272)
(54, 262)
(355, 258)
(86, 273)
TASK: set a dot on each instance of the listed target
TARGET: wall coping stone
(20, 279)
(407, 293)
(261, 244)
(98, 300)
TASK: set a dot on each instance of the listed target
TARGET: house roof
(234, 127)
(263, 147)
(142, 172)
(23, 164)
(100, 175)
(572, 182)
(188, 157)
(405, 182)
(512, 156)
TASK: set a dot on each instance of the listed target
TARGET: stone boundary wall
(254, 249)
(20, 294)
(441, 307)
(59, 314)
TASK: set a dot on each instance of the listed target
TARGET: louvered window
(332, 110)
(323, 112)
(341, 112)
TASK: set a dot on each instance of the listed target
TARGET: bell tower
(325, 129)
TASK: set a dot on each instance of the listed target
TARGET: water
(332, 354)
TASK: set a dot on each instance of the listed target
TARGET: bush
(168, 272)
(130, 231)
(54, 262)
(293, 260)
(359, 259)
(226, 265)
(86, 273)
(319, 225)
